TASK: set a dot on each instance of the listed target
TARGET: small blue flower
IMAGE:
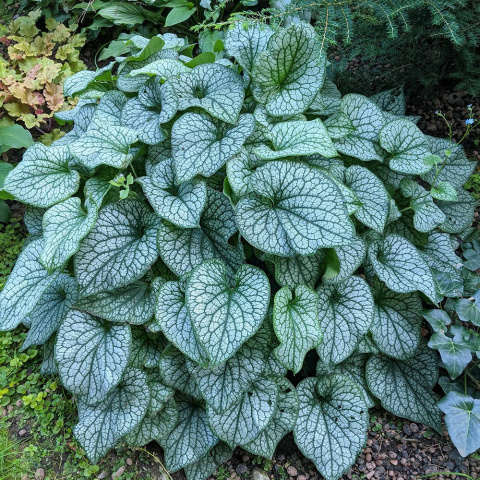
(437, 112)
(469, 121)
(469, 106)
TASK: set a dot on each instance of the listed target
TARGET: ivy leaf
(184, 249)
(109, 145)
(132, 304)
(175, 373)
(91, 355)
(156, 104)
(25, 286)
(405, 387)
(396, 321)
(459, 214)
(397, 262)
(276, 219)
(292, 139)
(438, 319)
(296, 324)
(222, 386)
(368, 120)
(102, 425)
(455, 352)
(375, 200)
(172, 317)
(214, 88)
(338, 305)
(207, 465)
(124, 235)
(156, 427)
(281, 423)
(51, 310)
(467, 311)
(297, 270)
(191, 439)
(43, 177)
(179, 204)
(329, 407)
(244, 420)
(462, 416)
(458, 168)
(407, 145)
(225, 314)
(64, 226)
(288, 75)
(342, 262)
(201, 145)
(444, 191)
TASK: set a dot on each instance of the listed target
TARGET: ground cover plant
(231, 251)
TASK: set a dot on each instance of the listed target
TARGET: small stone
(245, 458)
(368, 457)
(39, 474)
(19, 403)
(25, 477)
(281, 457)
(258, 474)
(102, 475)
(119, 472)
(301, 477)
(414, 427)
(242, 468)
(370, 475)
(292, 471)
(129, 462)
(407, 430)
(370, 466)
(22, 432)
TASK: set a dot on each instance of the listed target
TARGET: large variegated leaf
(102, 425)
(240, 169)
(368, 120)
(179, 204)
(163, 69)
(202, 145)
(156, 427)
(295, 209)
(243, 421)
(332, 423)
(327, 100)
(405, 387)
(459, 214)
(407, 145)
(51, 310)
(91, 354)
(133, 304)
(175, 373)
(184, 249)
(204, 467)
(392, 101)
(44, 177)
(458, 167)
(64, 227)
(109, 109)
(106, 145)
(396, 322)
(80, 82)
(191, 439)
(49, 366)
(156, 104)
(462, 416)
(370, 190)
(281, 423)
(397, 262)
(245, 42)
(342, 262)
(223, 385)
(214, 88)
(24, 287)
(147, 348)
(174, 320)
(119, 249)
(345, 311)
(288, 75)
(225, 313)
(294, 139)
(296, 324)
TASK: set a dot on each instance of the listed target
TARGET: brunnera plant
(207, 234)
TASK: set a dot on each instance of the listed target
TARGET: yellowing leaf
(63, 51)
(53, 95)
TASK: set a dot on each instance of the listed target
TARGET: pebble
(25, 477)
(102, 475)
(301, 477)
(242, 468)
(245, 458)
(22, 433)
(39, 474)
(258, 474)
(129, 462)
(414, 427)
(281, 458)
(119, 472)
(292, 471)
(19, 403)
